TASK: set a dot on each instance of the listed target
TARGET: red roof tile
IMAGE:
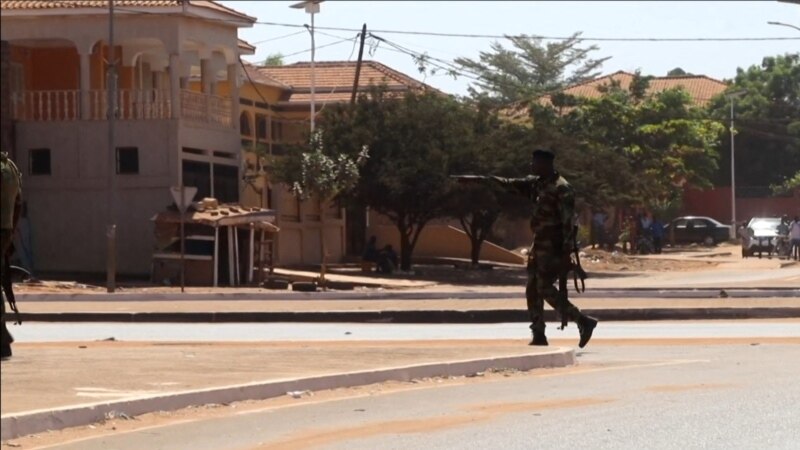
(700, 87)
(334, 79)
(73, 4)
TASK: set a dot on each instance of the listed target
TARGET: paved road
(248, 332)
(655, 397)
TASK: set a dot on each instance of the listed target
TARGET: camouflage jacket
(553, 211)
(10, 191)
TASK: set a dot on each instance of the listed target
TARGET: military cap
(543, 154)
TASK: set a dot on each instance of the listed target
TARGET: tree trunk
(405, 250)
(475, 251)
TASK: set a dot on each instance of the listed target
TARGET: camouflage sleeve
(521, 186)
(566, 209)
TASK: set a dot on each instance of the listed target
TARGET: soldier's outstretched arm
(522, 186)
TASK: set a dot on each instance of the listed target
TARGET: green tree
(767, 124)
(274, 59)
(626, 149)
(531, 67)
(412, 141)
(314, 173)
(497, 148)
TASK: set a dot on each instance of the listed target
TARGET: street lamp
(784, 25)
(732, 96)
(311, 7)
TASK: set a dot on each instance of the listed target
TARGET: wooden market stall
(223, 243)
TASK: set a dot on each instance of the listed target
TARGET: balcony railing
(46, 106)
(206, 108)
(131, 104)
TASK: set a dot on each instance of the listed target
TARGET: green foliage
(531, 67)
(412, 141)
(789, 185)
(315, 173)
(767, 120)
(628, 149)
(274, 59)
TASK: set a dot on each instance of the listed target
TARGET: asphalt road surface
(618, 397)
(249, 332)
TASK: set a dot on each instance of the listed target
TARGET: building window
(127, 160)
(277, 131)
(261, 127)
(39, 162)
(198, 174)
(226, 183)
(244, 124)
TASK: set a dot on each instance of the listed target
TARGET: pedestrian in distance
(794, 235)
(657, 232)
(554, 239)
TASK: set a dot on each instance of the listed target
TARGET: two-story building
(167, 130)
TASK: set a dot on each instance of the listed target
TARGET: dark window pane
(40, 161)
(261, 127)
(127, 160)
(198, 174)
(244, 124)
(226, 183)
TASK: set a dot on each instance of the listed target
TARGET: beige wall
(443, 241)
(69, 208)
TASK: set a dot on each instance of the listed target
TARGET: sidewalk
(507, 308)
(58, 385)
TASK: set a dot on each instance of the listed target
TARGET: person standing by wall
(657, 232)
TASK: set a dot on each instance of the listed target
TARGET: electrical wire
(473, 35)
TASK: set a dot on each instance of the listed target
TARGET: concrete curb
(21, 424)
(410, 316)
(400, 295)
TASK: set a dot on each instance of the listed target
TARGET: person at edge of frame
(10, 203)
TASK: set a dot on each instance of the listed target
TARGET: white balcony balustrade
(131, 104)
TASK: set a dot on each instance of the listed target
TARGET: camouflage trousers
(5, 243)
(543, 271)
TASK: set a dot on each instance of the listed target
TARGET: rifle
(577, 273)
(9, 290)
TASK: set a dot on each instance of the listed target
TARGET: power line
(480, 36)
(278, 38)
(506, 36)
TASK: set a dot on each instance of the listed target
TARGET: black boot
(586, 326)
(539, 339)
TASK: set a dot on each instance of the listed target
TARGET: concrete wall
(716, 203)
(443, 241)
(69, 209)
(6, 127)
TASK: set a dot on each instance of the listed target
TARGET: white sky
(596, 19)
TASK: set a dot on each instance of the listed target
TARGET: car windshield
(765, 224)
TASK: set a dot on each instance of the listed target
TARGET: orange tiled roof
(334, 79)
(72, 4)
(700, 87)
(244, 45)
(259, 77)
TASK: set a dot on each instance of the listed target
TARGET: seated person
(387, 260)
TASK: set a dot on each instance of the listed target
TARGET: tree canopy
(530, 67)
(767, 125)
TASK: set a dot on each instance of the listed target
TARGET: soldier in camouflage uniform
(10, 202)
(552, 223)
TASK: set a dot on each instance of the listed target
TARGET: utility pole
(358, 64)
(111, 232)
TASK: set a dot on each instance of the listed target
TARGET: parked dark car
(697, 229)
